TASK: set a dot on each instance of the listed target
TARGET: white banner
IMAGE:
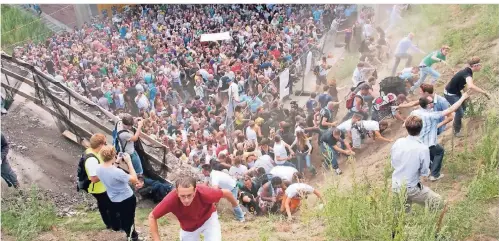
(283, 84)
(215, 36)
(308, 65)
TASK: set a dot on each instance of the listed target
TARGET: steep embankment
(359, 203)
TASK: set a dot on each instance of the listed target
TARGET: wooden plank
(18, 77)
(71, 136)
(81, 114)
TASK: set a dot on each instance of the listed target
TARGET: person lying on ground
(152, 189)
(293, 196)
(194, 207)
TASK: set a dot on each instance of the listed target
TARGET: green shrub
(24, 215)
(18, 27)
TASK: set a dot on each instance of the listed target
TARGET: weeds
(18, 26)
(25, 215)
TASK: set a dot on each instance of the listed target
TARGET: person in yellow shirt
(97, 188)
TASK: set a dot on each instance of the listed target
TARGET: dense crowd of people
(216, 105)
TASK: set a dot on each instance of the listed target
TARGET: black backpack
(83, 180)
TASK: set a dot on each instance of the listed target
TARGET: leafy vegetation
(19, 26)
(25, 215)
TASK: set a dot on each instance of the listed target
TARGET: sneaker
(432, 178)
(338, 171)
(458, 134)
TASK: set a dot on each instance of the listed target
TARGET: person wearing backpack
(126, 139)
(89, 182)
(355, 103)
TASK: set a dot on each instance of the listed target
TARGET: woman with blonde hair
(120, 193)
(303, 150)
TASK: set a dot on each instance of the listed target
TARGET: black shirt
(458, 82)
(325, 113)
(328, 138)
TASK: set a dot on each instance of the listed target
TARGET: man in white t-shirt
(359, 128)
(359, 73)
(218, 179)
(234, 92)
(266, 162)
(287, 174)
(293, 196)
(238, 170)
(142, 101)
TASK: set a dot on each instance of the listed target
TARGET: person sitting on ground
(248, 195)
(294, 194)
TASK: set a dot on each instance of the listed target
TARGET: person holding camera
(120, 193)
(127, 139)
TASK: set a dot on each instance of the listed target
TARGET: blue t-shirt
(116, 182)
(311, 104)
(324, 99)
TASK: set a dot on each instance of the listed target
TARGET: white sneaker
(432, 178)
(458, 134)
(338, 171)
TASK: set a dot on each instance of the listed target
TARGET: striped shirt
(440, 104)
(428, 135)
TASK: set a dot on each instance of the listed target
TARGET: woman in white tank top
(250, 132)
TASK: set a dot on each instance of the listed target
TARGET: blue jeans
(436, 158)
(459, 112)
(137, 164)
(8, 174)
(235, 192)
(299, 160)
(334, 159)
(424, 73)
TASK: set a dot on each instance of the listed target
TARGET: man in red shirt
(193, 205)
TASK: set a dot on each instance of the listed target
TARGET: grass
(344, 69)
(18, 26)
(369, 212)
(25, 215)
